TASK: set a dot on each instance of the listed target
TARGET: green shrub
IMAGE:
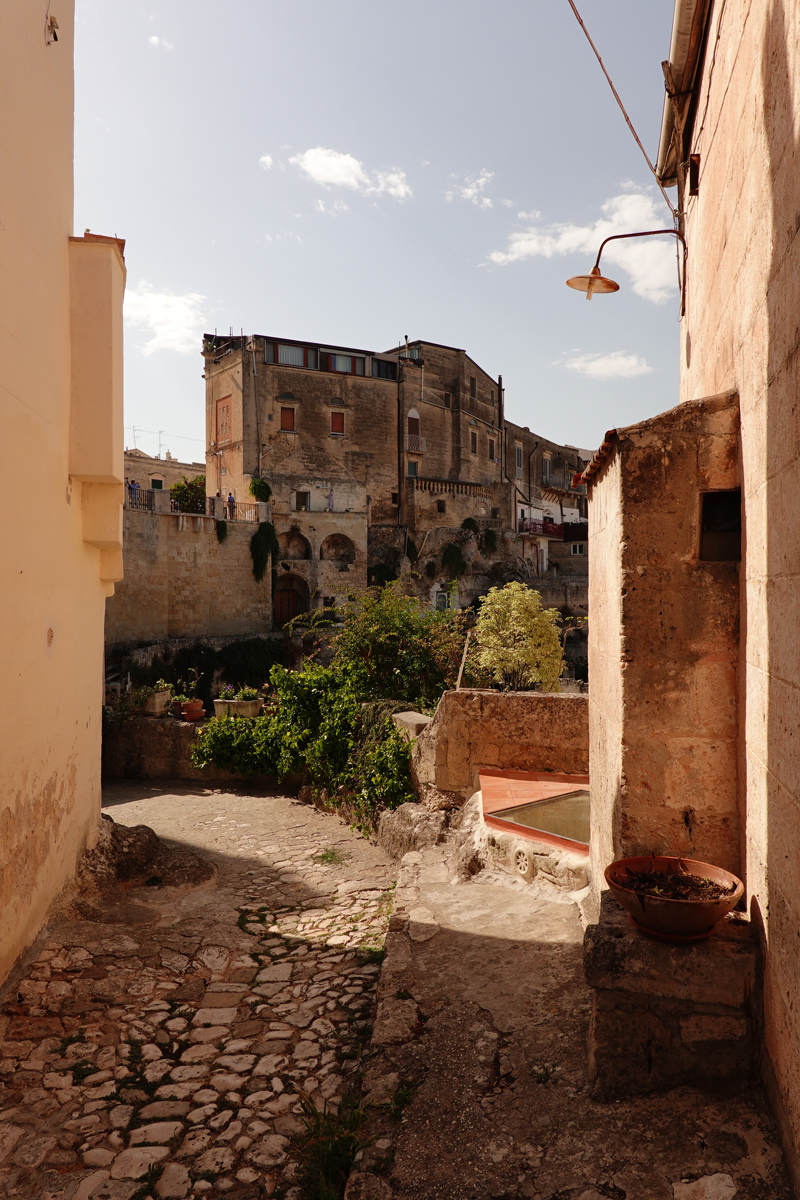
(247, 663)
(222, 531)
(488, 541)
(263, 546)
(453, 560)
(470, 523)
(260, 489)
(190, 494)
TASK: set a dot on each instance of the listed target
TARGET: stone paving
(167, 1056)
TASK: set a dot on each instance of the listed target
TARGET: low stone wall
(158, 748)
(512, 731)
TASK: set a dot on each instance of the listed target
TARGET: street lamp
(595, 282)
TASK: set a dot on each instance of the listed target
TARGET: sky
(352, 171)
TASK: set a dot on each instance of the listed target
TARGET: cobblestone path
(163, 1052)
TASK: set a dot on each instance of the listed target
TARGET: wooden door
(286, 606)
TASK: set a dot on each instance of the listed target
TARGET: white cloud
(472, 189)
(157, 41)
(650, 263)
(174, 321)
(265, 161)
(330, 168)
(616, 365)
(333, 210)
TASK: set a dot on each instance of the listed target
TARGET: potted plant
(673, 898)
(191, 707)
(178, 701)
(159, 699)
(244, 703)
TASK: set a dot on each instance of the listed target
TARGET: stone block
(410, 827)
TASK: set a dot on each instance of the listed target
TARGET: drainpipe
(400, 493)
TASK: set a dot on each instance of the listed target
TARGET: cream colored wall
(61, 401)
(741, 332)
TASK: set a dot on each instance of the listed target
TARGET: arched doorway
(291, 598)
(337, 548)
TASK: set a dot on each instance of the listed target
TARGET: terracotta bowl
(682, 918)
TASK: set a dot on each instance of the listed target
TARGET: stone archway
(337, 548)
(293, 546)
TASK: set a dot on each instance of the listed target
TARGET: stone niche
(663, 725)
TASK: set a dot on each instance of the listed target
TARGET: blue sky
(354, 171)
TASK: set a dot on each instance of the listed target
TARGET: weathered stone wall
(513, 731)
(741, 332)
(664, 644)
(180, 581)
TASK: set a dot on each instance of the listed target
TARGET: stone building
(61, 396)
(375, 461)
(696, 550)
(158, 474)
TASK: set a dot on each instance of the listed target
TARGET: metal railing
(542, 528)
(415, 443)
(158, 500)
(139, 498)
(232, 510)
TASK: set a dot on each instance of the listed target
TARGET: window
(287, 420)
(303, 501)
(578, 548)
(495, 514)
(269, 352)
(518, 451)
(291, 356)
(491, 396)
(412, 470)
(491, 449)
(413, 426)
(473, 441)
(337, 422)
(157, 485)
(344, 363)
(441, 601)
(441, 506)
(328, 601)
(311, 359)
(395, 497)
(545, 472)
(383, 370)
(448, 400)
(473, 387)
(721, 526)
(223, 420)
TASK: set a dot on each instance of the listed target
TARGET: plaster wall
(61, 400)
(741, 331)
(513, 731)
(180, 581)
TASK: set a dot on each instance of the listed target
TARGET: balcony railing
(158, 500)
(541, 528)
(453, 487)
(415, 443)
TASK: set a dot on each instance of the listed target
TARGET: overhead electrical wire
(624, 113)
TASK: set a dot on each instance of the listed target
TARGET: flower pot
(237, 708)
(157, 704)
(193, 710)
(663, 916)
(177, 708)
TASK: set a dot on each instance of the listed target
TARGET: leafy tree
(453, 560)
(518, 640)
(190, 494)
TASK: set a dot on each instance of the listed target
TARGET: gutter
(685, 57)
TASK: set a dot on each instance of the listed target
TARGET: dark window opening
(495, 514)
(328, 601)
(383, 370)
(395, 497)
(303, 502)
(545, 471)
(337, 422)
(491, 449)
(473, 441)
(473, 387)
(413, 426)
(412, 470)
(157, 484)
(441, 506)
(287, 420)
(694, 174)
(721, 526)
(447, 400)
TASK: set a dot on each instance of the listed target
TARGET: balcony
(158, 500)
(451, 487)
(544, 528)
(415, 443)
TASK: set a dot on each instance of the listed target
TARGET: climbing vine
(263, 546)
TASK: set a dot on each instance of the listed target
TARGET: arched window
(413, 423)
